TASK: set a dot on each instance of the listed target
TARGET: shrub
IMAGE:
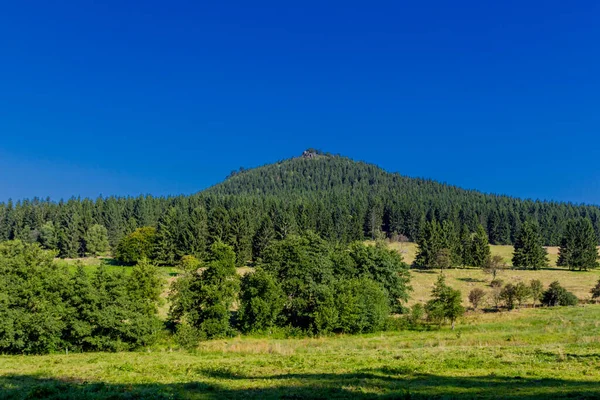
(362, 306)
(445, 303)
(556, 295)
(476, 296)
(417, 312)
(537, 289)
(596, 291)
(522, 293)
(508, 294)
(497, 283)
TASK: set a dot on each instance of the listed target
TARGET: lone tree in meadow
(476, 296)
(443, 259)
(494, 265)
(578, 246)
(529, 252)
(480, 248)
(445, 303)
(537, 290)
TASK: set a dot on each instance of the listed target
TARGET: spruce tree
(466, 243)
(578, 248)
(451, 242)
(528, 250)
(430, 243)
(480, 248)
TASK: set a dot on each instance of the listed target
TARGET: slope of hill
(340, 199)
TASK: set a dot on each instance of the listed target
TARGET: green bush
(44, 308)
(137, 245)
(556, 295)
(362, 306)
(261, 301)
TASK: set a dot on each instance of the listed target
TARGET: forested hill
(336, 197)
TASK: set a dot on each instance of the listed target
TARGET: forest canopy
(339, 199)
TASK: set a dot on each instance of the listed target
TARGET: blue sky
(168, 97)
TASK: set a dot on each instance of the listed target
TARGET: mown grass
(530, 353)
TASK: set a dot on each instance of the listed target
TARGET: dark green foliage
(578, 246)
(263, 238)
(384, 267)
(45, 309)
(529, 252)
(137, 245)
(430, 242)
(261, 301)
(465, 246)
(144, 286)
(362, 306)
(445, 303)
(304, 268)
(203, 299)
(339, 199)
(480, 248)
(556, 295)
(106, 316)
(32, 308)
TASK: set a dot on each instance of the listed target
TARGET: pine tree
(578, 246)
(480, 248)
(528, 250)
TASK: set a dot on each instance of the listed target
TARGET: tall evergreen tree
(480, 248)
(528, 250)
(466, 243)
(578, 248)
(430, 243)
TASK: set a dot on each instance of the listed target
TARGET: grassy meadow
(525, 354)
(465, 279)
(522, 354)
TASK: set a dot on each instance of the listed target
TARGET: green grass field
(525, 354)
(522, 354)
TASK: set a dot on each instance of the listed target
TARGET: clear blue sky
(168, 97)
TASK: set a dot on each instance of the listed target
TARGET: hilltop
(340, 199)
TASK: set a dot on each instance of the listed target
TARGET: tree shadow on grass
(386, 383)
(471, 280)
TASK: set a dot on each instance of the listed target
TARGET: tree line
(303, 285)
(339, 199)
(442, 245)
